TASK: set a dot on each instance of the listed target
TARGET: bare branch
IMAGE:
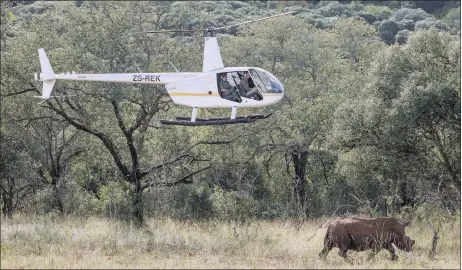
(17, 93)
(103, 137)
(181, 156)
(183, 180)
(324, 171)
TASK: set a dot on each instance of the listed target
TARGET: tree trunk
(7, 196)
(57, 204)
(300, 160)
(138, 206)
(7, 208)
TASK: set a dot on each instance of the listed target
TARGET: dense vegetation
(372, 124)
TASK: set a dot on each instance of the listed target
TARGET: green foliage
(387, 30)
(115, 201)
(402, 37)
(382, 12)
(407, 118)
(410, 14)
(233, 205)
(191, 202)
(78, 202)
(452, 18)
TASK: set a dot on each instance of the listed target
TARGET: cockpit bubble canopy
(266, 82)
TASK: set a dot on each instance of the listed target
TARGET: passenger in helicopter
(226, 90)
(248, 87)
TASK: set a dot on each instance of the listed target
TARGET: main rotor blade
(219, 28)
(228, 26)
(169, 31)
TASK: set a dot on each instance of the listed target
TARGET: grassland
(41, 242)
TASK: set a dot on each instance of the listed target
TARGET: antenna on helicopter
(138, 67)
(173, 66)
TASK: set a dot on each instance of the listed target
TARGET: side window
(257, 80)
(233, 79)
(228, 85)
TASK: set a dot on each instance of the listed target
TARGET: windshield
(266, 81)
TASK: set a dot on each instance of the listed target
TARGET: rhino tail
(326, 237)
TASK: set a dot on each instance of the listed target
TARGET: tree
(17, 181)
(132, 107)
(53, 145)
(409, 116)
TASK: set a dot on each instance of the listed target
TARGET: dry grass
(38, 242)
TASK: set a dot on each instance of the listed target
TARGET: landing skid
(186, 120)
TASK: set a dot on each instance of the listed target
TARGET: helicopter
(193, 89)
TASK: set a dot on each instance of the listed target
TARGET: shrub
(452, 18)
(387, 30)
(333, 9)
(410, 14)
(402, 36)
(406, 25)
(78, 202)
(115, 200)
(429, 23)
(191, 202)
(238, 4)
(370, 18)
(234, 205)
(356, 6)
(382, 12)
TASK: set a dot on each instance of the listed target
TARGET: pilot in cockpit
(226, 90)
(248, 87)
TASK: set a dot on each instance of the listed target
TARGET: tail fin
(48, 76)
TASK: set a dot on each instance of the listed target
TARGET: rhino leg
(324, 252)
(392, 252)
(327, 247)
(343, 252)
(373, 253)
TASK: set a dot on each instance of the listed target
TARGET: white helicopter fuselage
(192, 89)
(202, 91)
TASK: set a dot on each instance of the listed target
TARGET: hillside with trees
(371, 124)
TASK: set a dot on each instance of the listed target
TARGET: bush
(356, 6)
(387, 30)
(452, 18)
(406, 25)
(382, 12)
(429, 23)
(115, 200)
(410, 14)
(325, 23)
(234, 205)
(78, 202)
(402, 36)
(238, 4)
(191, 202)
(334, 9)
(370, 18)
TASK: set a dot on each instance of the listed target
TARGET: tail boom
(48, 77)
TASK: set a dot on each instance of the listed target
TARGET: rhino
(361, 234)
